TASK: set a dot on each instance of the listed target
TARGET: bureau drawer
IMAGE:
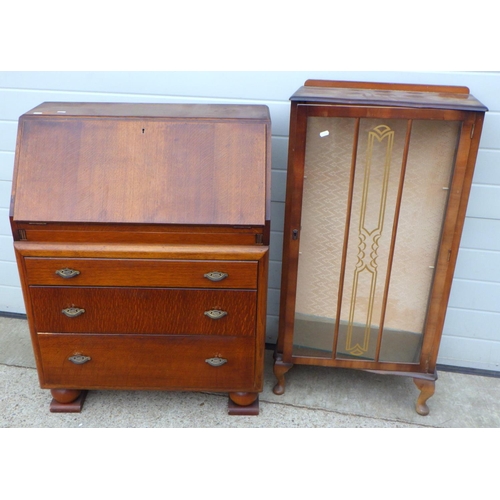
(147, 362)
(141, 272)
(144, 310)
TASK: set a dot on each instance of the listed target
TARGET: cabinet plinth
(377, 187)
(141, 233)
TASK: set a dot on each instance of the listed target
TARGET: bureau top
(143, 163)
(152, 110)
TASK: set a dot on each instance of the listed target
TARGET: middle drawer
(144, 310)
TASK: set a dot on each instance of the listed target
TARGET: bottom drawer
(148, 362)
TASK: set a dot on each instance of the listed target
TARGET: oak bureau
(141, 233)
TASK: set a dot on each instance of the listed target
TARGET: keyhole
(143, 130)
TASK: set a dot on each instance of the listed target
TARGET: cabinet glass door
(374, 198)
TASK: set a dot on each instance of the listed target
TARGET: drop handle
(79, 359)
(73, 312)
(215, 313)
(216, 276)
(67, 273)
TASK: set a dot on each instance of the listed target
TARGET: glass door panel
(375, 193)
(425, 194)
(329, 147)
(374, 196)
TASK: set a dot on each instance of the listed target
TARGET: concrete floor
(315, 397)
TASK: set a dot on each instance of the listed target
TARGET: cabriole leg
(426, 388)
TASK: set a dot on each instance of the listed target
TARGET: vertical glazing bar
(393, 237)
(346, 235)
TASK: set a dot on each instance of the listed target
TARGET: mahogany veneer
(141, 234)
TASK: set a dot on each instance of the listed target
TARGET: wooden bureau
(141, 234)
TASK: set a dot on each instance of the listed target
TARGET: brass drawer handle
(215, 314)
(72, 312)
(216, 361)
(67, 273)
(216, 276)
(78, 359)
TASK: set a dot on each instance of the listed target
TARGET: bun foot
(426, 388)
(67, 400)
(243, 403)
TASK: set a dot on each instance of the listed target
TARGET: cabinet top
(386, 94)
(152, 110)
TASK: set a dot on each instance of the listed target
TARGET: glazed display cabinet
(141, 233)
(378, 181)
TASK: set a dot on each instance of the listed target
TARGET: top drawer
(141, 272)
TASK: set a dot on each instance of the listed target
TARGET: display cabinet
(378, 181)
(141, 235)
